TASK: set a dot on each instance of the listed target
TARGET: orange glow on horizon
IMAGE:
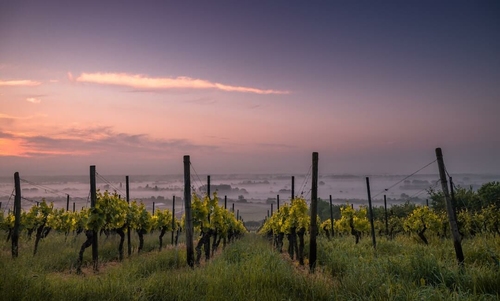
(11, 147)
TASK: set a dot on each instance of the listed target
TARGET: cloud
(54, 80)
(33, 100)
(19, 83)
(138, 81)
(93, 141)
(6, 116)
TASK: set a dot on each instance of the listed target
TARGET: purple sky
(248, 86)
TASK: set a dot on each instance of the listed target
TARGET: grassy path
(247, 270)
(250, 269)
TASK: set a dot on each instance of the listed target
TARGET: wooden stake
(17, 216)
(331, 214)
(449, 208)
(173, 218)
(208, 186)
(225, 202)
(314, 213)
(153, 208)
(93, 200)
(293, 188)
(187, 209)
(278, 203)
(127, 191)
(371, 211)
(67, 202)
(385, 212)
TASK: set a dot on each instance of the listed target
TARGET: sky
(248, 86)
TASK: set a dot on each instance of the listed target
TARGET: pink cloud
(33, 100)
(181, 82)
(19, 83)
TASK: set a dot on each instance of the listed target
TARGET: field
(251, 269)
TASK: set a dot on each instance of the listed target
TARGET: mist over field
(251, 194)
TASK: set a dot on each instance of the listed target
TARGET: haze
(248, 87)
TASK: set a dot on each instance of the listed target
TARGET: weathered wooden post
(293, 187)
(449, 208)
(453, 200)
(385, 213)
(208, 187)
(371, 211)
(93, 200)
(173, 218)
(238, 214)
(74, 206)
(314, 213)
(127, 191)
(267, 212)
(225, 202)
(233, 209)
(187, 209)
(67, 202)
(17, 215)
(331, 215)
(278, 202)
(272, 209)
(153, 208)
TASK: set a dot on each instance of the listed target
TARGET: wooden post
(453, 200)
(127, 191)
(173, 218)
(208, 186)
(93, 200)
(267, 212)
(314, 213)
(385, 212)
(233, 208)
(67, 202)
(0, 205)
(293, 188)
(225, 202)
(449, 208)
(272, 209)
(331, 214)
(371, 211)
(187, 208)
(74, 205)
(153, 208)
(238, 214)
(278, 203)
(17, 216)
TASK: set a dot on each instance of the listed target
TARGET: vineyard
(305, 249)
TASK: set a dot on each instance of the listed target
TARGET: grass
(403, 269)
(250, 269)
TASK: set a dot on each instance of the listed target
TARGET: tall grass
(403, 269)
(250, 269)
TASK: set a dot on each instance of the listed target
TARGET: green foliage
(489, 194)
(422, 218)
(139, 218)
(352, 217)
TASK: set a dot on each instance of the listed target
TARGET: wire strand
(109, 183)
(46, 188)
(412, 174)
